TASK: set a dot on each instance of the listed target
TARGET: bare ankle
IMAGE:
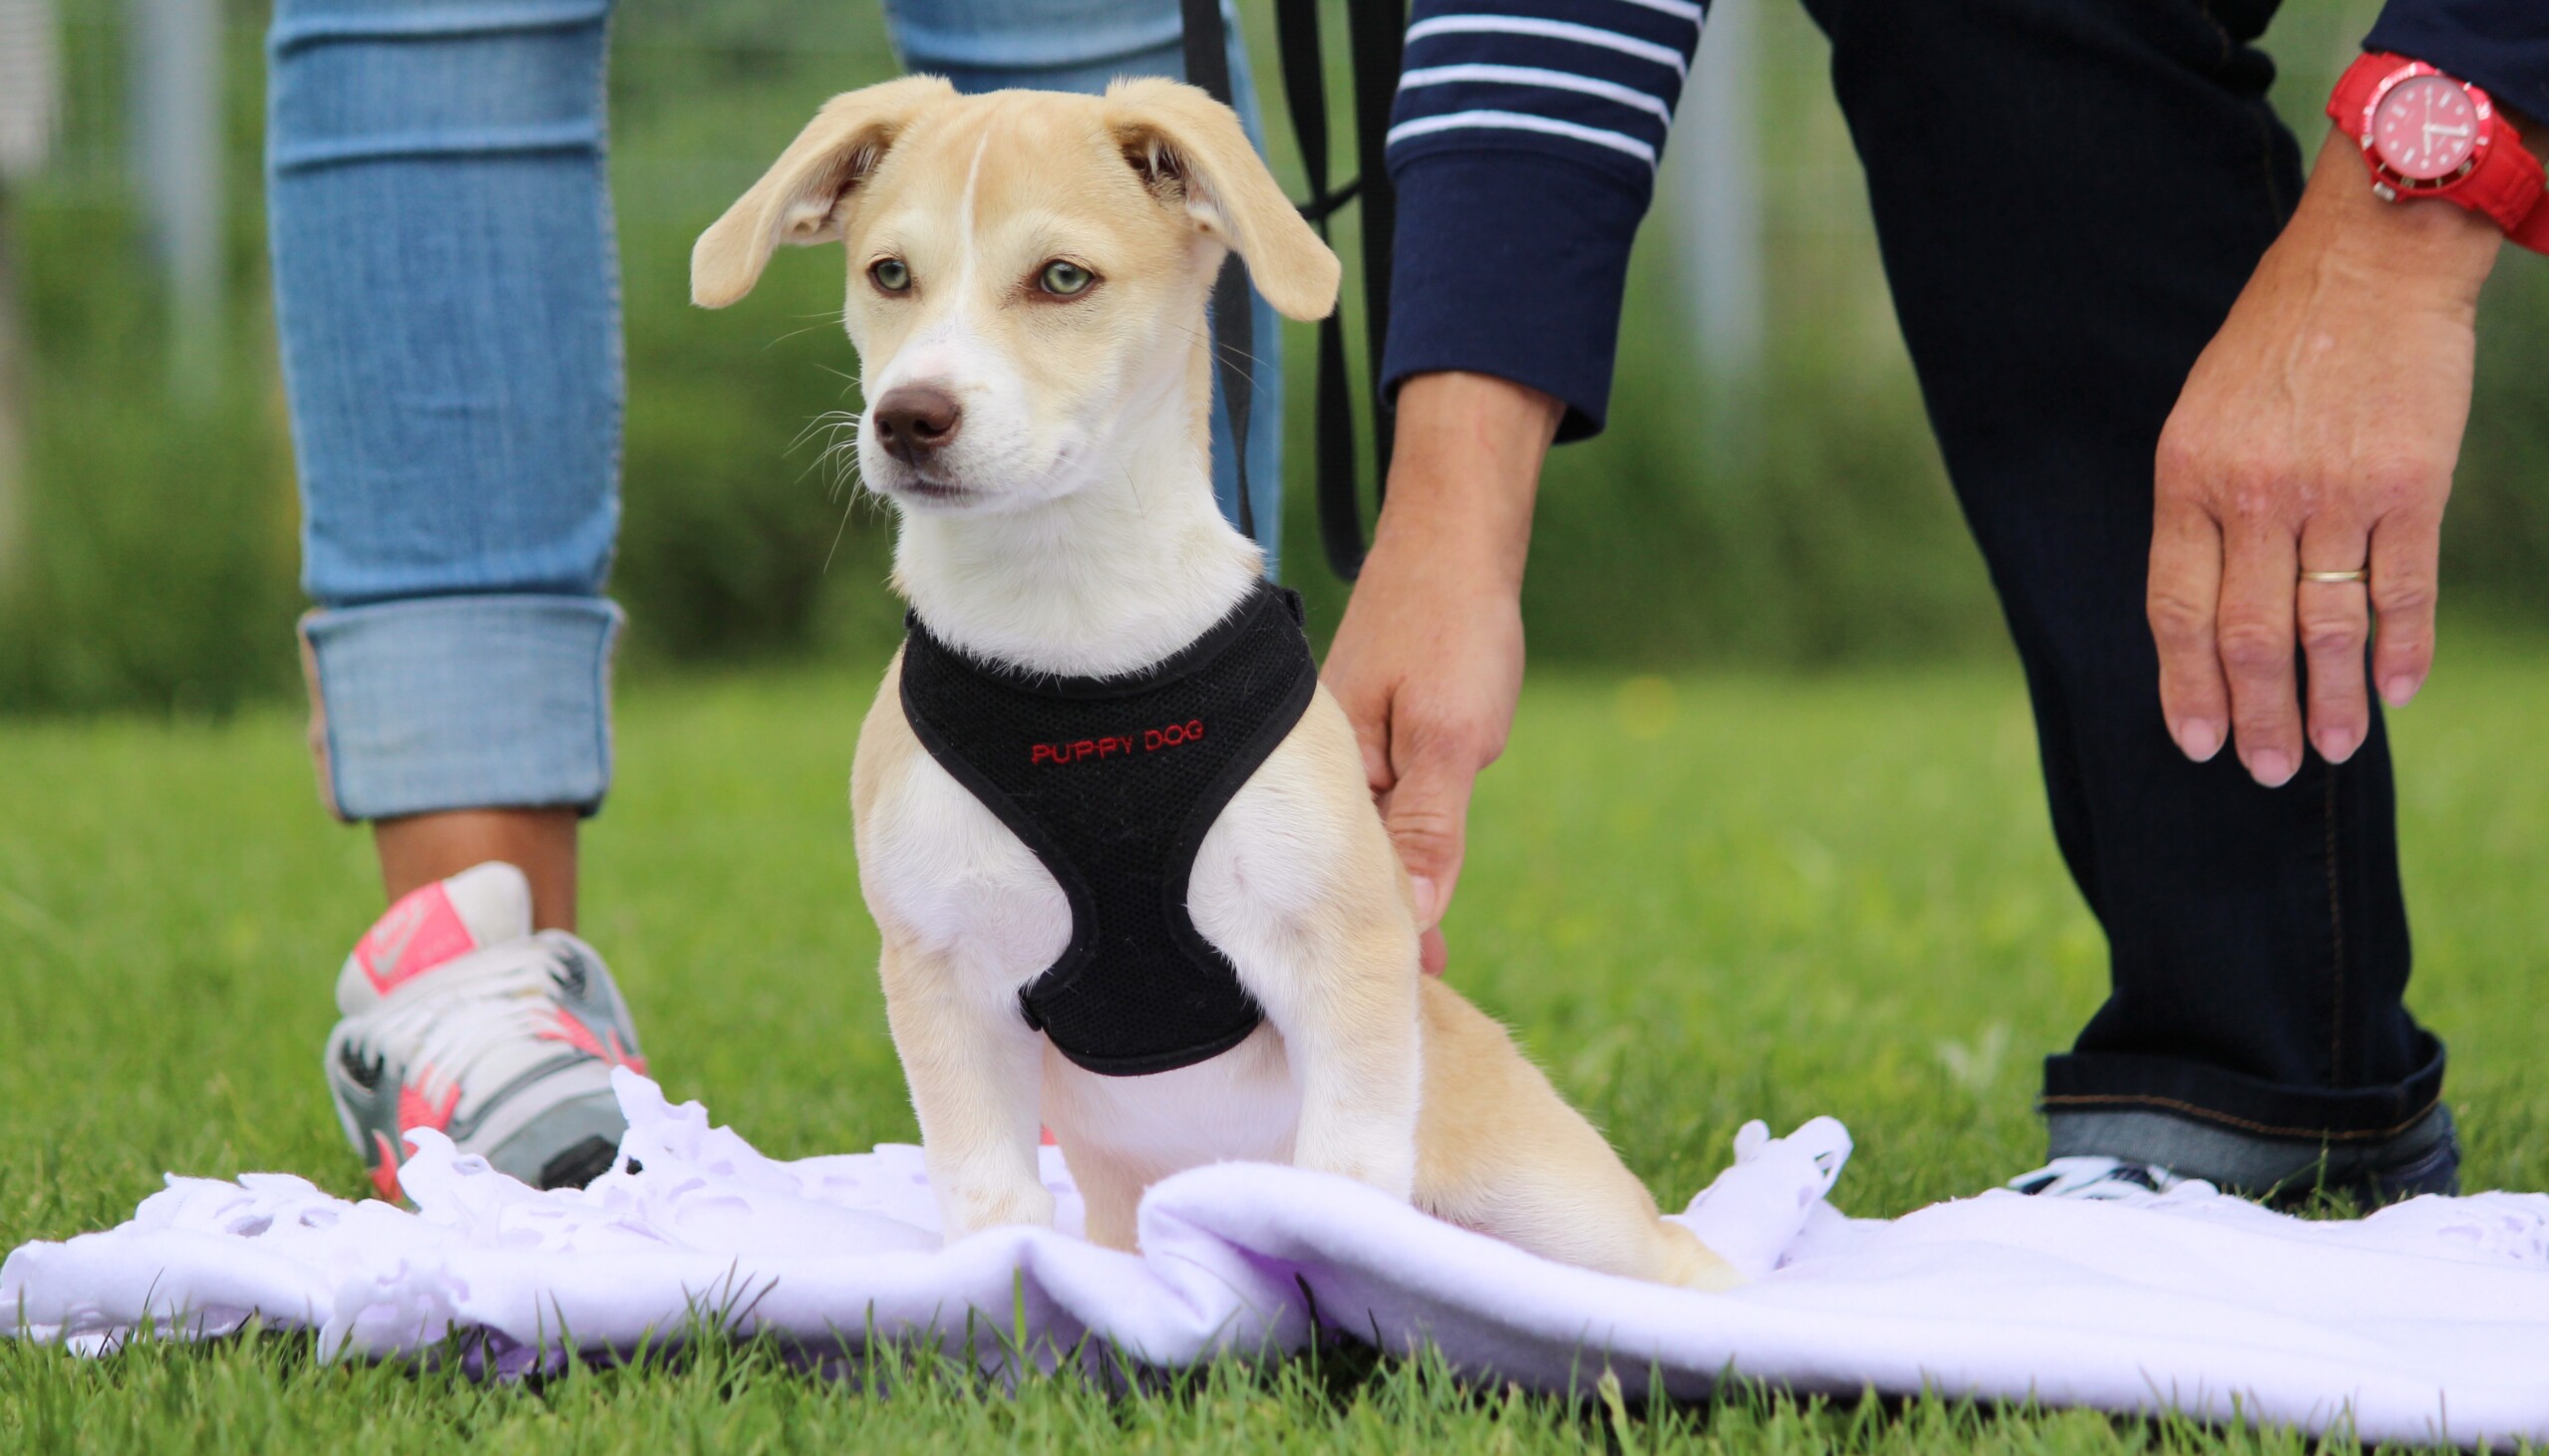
(420, 849)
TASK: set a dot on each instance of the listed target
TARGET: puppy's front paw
(964, 1210)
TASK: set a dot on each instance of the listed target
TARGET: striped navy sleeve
(1523, 148)
(2501, 45)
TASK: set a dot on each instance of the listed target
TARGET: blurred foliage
(738, 538)
(158, 559)
(1800, 519)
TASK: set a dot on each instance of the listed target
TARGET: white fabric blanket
(2429, 1322)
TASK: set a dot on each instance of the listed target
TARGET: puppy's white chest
(949, 875)
(960, 884)
(964, 885)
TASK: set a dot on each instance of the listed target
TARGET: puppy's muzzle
(915, 422)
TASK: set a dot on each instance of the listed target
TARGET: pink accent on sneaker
(422, 931)
(385, 1168)
(415, 1111)
(570, 1028)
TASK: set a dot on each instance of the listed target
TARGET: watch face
(2426, 128)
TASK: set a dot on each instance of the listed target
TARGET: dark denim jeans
(2069, 194)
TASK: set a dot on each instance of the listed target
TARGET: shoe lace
(2086, 1176)
(443, 1025)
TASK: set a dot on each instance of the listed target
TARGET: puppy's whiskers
(838, 458)
(842, 529)
(820, 322)
(1224, 351)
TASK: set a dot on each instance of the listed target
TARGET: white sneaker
(458, 1019)
(2101, 1179)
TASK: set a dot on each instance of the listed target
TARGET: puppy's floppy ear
(805, 196)
(1190, 150)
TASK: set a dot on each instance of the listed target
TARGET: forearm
(1429, 659)
(1467, 475)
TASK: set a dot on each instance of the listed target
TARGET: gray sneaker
(458, 1019)
(2103, 1180)
(2421, 1158)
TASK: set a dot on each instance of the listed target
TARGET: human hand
(1428, 662)
(2318, 432)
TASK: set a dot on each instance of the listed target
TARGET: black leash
(1235, 320)
(1375, 31)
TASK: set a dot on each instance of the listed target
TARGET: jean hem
(2422, 1157)
(2090, 1082)
(461, 703)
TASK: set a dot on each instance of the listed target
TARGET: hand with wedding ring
(2302, 477)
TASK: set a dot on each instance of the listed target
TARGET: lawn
(1697, 901)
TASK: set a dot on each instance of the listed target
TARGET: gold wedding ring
(2359, 573)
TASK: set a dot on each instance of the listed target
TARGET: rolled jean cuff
(461, 703)
(2238, 1131)
(2112, 1081)
(2422, 1157)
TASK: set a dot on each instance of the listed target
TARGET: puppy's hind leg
(1499, 1151)
(1576, 1212)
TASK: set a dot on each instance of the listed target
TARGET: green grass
(1697, 901)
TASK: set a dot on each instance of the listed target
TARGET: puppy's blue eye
(1062, 278)
(891, 274)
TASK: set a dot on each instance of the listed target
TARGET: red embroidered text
(1117, 745)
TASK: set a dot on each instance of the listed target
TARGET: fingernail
(1424, 898)
(2398, 689)
(2198, 740)
(2271, 768)
(2333, 745)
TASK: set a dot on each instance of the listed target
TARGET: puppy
(1027, 279)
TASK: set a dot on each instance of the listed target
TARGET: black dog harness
(1113, 782)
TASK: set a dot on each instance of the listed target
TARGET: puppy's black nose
(914, 421)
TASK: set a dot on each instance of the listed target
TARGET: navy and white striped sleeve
(1523, 148)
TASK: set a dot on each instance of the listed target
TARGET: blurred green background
(152, 561)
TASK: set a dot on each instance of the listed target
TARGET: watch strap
(2533, 231)
(2350, 105)
(2506, 187)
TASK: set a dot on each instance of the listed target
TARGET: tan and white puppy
(1028, 276)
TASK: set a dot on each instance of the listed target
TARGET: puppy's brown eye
(891, 275)
(1063, 278)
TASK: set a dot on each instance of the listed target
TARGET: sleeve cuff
(1513, 263)
(2500, 45)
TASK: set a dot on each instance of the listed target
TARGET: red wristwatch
(2428, 134)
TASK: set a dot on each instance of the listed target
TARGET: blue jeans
(447, 293)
